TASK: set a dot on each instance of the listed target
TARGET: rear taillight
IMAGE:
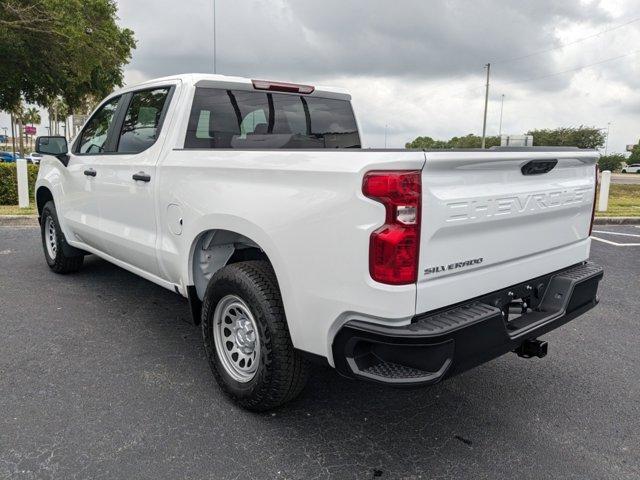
(394, 247)
(595, 190)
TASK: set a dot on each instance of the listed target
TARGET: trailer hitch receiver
(532, 348)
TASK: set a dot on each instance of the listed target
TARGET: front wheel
(624, 171)
(247, 339)
(55, 244)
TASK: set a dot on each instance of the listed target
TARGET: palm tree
(31, 116)
(57, 108)
(18, 117)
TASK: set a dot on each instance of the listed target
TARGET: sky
(415, 67)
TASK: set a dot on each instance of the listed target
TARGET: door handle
(143, 177)
(90, 172)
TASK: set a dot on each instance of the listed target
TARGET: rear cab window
(245, 119)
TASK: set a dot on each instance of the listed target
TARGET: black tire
(60, 261)
(624, 171)
(281, 372)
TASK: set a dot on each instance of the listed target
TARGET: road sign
(28, 130)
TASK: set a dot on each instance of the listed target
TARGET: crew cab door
(79, 205)
(126, 180)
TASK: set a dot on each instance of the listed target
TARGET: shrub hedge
(9, 183)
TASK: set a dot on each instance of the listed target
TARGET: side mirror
(56, 146)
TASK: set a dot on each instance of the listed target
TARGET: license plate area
(522, 304)
(528, 304)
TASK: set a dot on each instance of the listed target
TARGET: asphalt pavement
(626, 178)
(102, 376)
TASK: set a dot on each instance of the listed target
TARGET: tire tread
(286, 371)
(61, 264)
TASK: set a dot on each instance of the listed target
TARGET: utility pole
(606, 142)
(501, 108)
(214, 36)
(486, 104)
(385, 135)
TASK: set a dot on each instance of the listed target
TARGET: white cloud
(415, 66)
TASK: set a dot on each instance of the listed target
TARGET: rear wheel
(60, 256)
(247, 339)
(624, 171)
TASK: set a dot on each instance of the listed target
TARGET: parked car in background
(34, 157)
(8, 157)
(633, 168)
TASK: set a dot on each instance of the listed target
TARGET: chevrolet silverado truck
(256, 201)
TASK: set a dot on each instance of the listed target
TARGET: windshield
(247, 119)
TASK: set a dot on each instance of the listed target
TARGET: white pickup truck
(256, 201)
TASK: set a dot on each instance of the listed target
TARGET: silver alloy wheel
(235, 333)
(50, 237)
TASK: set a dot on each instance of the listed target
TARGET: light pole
(501, 108)
(385, 135)
(214, 36)
(606, 142)
(486, 105)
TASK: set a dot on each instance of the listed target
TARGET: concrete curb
(18, 221)
(617, 221)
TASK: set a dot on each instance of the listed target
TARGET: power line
(582, 67)
(470, 89)
(540, 52)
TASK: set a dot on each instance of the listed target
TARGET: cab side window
(94, 135)
(142, 120)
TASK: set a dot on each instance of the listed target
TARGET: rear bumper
(437, 345)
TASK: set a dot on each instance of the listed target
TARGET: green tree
(467, 141)
(635, 155)
(612, 162)
(582, 137)
(57, 110)
(17, 117)
(31, 117)
(70, 49)
(426, 143)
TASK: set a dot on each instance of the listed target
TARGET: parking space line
(615, 243)
(618, 233)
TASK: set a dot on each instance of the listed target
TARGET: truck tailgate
(487, 225)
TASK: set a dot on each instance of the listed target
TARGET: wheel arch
(43, 195)
(215, 248)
